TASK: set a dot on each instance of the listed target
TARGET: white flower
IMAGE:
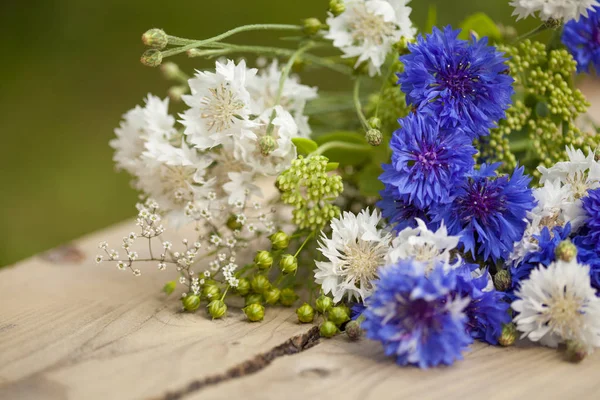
(356, 250)
(557, 304)
(283, 130)
(561, 10)
(264, 87)
(369, 28)
(240, 187)
(423, 245)
(219, 105)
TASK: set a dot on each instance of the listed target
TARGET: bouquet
(452, 194)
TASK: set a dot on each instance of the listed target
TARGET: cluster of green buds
(334, 316)
(309, 187)
(211, 293)
(541, 121)
(157, 40)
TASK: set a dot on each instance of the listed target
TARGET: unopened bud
(170, 70)
(151, 58)
(211, 292)
(338, 315)
(280, 240)
(566, 251)
(288, 263)
(155, 38)
(288, 297)
(323, 304)
(353, 330)
(576, 351)
(233, 223)
(175, 92)
(263, 259)
(272, 296)
(336, 7)
(328, 329)
(260, 284)
(552, 23)
(255, 312)
(374, 137)
(312, 26)
(508, 336)
(217, 308)
(254, 298)
(305, 313)
(267, 144)
(243, 287)
(502, 280)
(191, 302)
(374, 123)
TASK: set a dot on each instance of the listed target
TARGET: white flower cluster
(560, 10)
(369, 28)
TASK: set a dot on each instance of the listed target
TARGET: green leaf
(169, 287)
(431, 18)
(480, 24)
(368, 180)
(346, 156)
(331, 166)
(305, 146)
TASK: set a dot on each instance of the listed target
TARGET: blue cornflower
(591, 206)
(465, 83)
(589, 253)
(416, 317)
(427, 160)
(582, 39)
(487, 311)
(399, 211)
(488, 211)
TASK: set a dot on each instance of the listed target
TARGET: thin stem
(339, 145)
(357, 105)
(383, 84)
(304, 243)
(244, 28)
(150, 248)
(225, 292)
(532, 33)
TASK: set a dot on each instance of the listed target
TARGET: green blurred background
(70, 70)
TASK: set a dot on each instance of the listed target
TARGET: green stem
(532, 33)
(357, 105)
(225, 292)
(383, 85)
(304, 243)
(339, 145)
(239, 29)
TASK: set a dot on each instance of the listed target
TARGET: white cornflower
(355, 252)
(264, 87)
(423, 245)
(557, 304)
(560, 10)
(369, 28)
(219, 105)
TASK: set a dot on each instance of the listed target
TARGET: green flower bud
(312, 26)
(502, 280)
(260, 284)
(155, 38)
(338, 315)
(211, 292)
(337, 7)
(353, 330)
(191, 302)
(263, 259)
(170, 70)
(374, 137)
(280, 240)
(233, 224)
(345, 308)
(288, 297)
(254, 298)
(169, 287)
(267, 144)
(323, 304)
(288, 263)
(552, 23)
(305, 313)
(255, 312)
(151, 58)
(217, 308)
(328, 329)
(272, 296)
(243, 287)
(509, 335)
(566, 251)
(375, 123)
(175, 92)
(576, 351)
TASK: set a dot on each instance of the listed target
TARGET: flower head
(488, 212)
(416, 317)
(367, 29)
(591, 206)
(557, 304)
(464, 83)
(560, 10)
(582, 39)
(427, 160)
(399, 211)
(355, 252)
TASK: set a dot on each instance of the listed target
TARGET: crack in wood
(293, 345)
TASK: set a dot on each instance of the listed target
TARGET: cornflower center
(481, 202)
(220, 108)
(176, 182)
(360, 261)
(563, 312)
(368, 27)
(417, 313)
(459, 80)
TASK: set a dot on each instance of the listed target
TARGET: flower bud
(254, 298)
(170, 70)
(374, 123)
(312, 26)
(345, 308)
(328, 329)
(502, 280)
(337, 7)
(217, 308)
(266, 144)
(211, 292)
(263, 259)
(508, 336)
(288, 263)
(323, 304)
(552, 23)
(272, 296)
(566, 251)
(191, 302)
(155, 38)
(233, 223)
(353, 330)
(305, 313)
(175, 92)
(280, 240)
(374, 137)
(243, 287)
(260, 284)
(151, 58)
(338, 315)
(288, 297)
(576, 351)
(255, 312)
